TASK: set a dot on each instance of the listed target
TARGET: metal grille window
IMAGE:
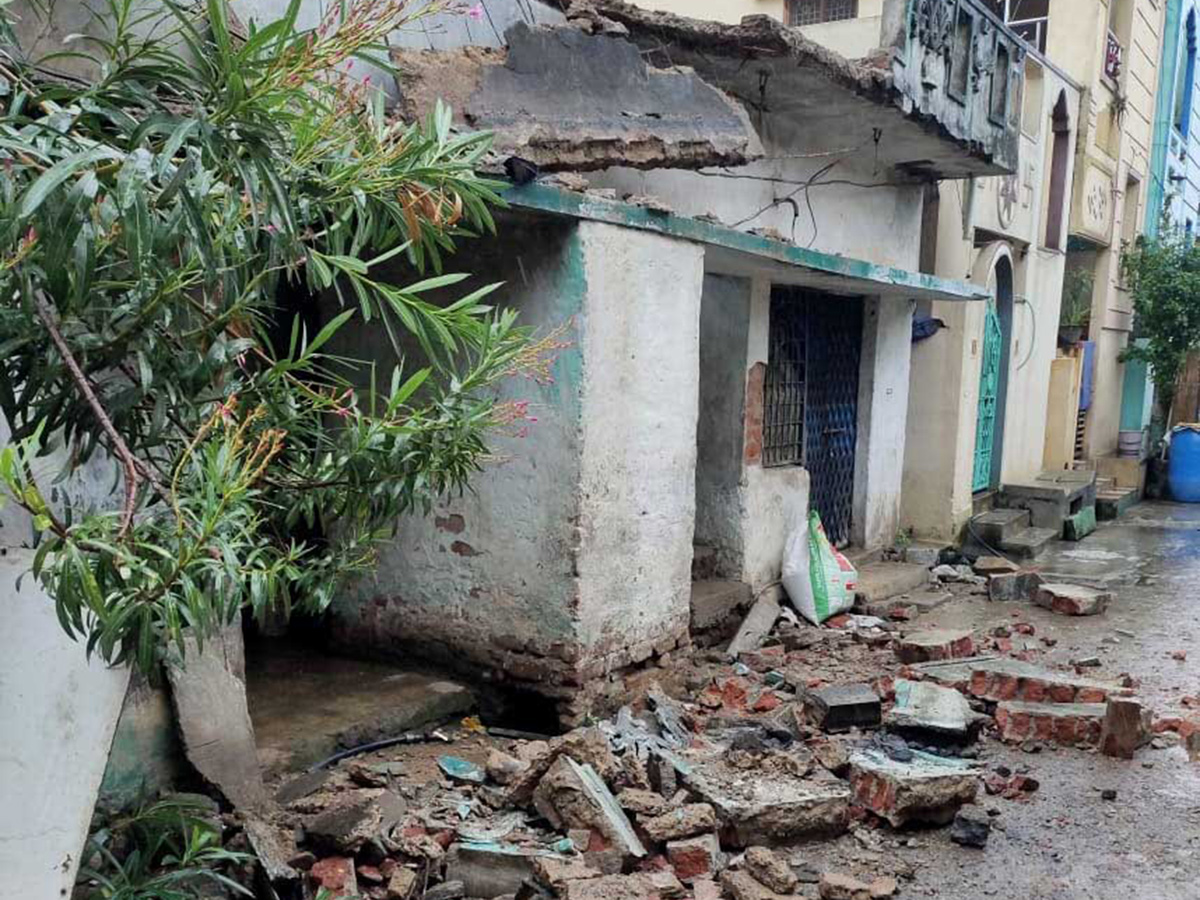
(814, 12)
(784, 386)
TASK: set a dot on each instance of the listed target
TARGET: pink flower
(476, 12)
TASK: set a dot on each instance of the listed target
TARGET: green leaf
(49, 180)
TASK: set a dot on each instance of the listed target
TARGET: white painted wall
(640, 336)
(58, 712)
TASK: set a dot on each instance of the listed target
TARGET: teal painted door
(989, 396)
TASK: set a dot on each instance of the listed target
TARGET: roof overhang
(732, 252)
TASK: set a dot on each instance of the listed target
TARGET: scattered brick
(1066, 724)
(696, 858)
(934, 644)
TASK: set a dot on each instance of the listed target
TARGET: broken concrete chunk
(843, 706)
(574, 796)
(769, 804)
(491, 868)
(757, 625)
(836, 886)
(934, 644)
(995, 565)
(1072, 599)
(997, 678)
(683, 822)
(927, 789)
(402, 884)
(301, 786)
(1014, 586)
(555, 872)
(447, 890)
(741, 886)
(646, 803)
(609, 887)
(832, 754)
(345, 827)
(765, 867)
(1126, 727)
(696, 858)
(504, 769)
(665, 884)
(936, 711)
(587, 745)
(1066, 724)
(971, 827)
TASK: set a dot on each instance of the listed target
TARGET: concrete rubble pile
(861, 727)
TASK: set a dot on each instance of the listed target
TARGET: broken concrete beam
(757, 625)
(933, 711)
(841, 707)
(574, 796)
(1072, 599)
(1126, 727)
(995, 565)
(997, 678)
(587, 745)
(764, 806)
(926, 790)
(681, 822)
(767, 868)
(934, 644)
(1067, 724)
(697, 858)
(209, 694)
(1014, 586)
(566, 100)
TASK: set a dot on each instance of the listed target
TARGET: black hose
(410, 738)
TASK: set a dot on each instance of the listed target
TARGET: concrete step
(999, 525)
(704, 562)
(1112, 503)
(715, 602)
(984, 501)
(877, 581)
(1028, 543)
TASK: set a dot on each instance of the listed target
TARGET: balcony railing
(1114, 55)
(1032, 31)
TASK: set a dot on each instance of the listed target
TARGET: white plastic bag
(818, 579)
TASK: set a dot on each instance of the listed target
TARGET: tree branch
(131, 464)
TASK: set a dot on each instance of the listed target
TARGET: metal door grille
(814, 12)
(989, 396)
(783, 387)
(810, 414)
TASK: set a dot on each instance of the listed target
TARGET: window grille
(814, 12)
(784, 385)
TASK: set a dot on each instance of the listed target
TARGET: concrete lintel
(732, 252)
(568, 100)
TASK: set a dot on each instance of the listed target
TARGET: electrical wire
(1033, 329)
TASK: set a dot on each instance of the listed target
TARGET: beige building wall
(1111, 174)
(979, 223)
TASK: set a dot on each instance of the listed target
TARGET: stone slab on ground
(306, 706)
(880, 580)
(917, 602)
(494, 868)
(757, 625)
(209, 696)
(995, 565)
(1065, 724)
(925, 553)
(715, 602)
(1010, 586)
(1072, 599)
(997, 678)
(926, 790)
(931, 644)
(840, 707)
(767, 805)
(932, 710)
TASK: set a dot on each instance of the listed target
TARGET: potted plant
(1076, 304)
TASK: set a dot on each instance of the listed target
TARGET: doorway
(993, 380)
(811, 397)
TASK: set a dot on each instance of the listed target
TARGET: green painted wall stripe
(577, 205)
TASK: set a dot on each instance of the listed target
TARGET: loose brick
(1126, 728)
(928, 789)
(684, 822)
(770, 870)
(1072, 599)
(1068, 724)
(934, 644)
(696, 858)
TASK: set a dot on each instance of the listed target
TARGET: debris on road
(971, 828)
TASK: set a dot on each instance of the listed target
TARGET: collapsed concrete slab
(925, 790)
(566, 100)
(997, 678)
(768, 804)
(932, 711)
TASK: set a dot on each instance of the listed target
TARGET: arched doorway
(993, 376)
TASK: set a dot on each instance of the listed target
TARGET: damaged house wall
(571, 555)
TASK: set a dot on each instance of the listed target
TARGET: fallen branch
(129, 462)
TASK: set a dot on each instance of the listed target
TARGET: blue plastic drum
(1183, 472)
